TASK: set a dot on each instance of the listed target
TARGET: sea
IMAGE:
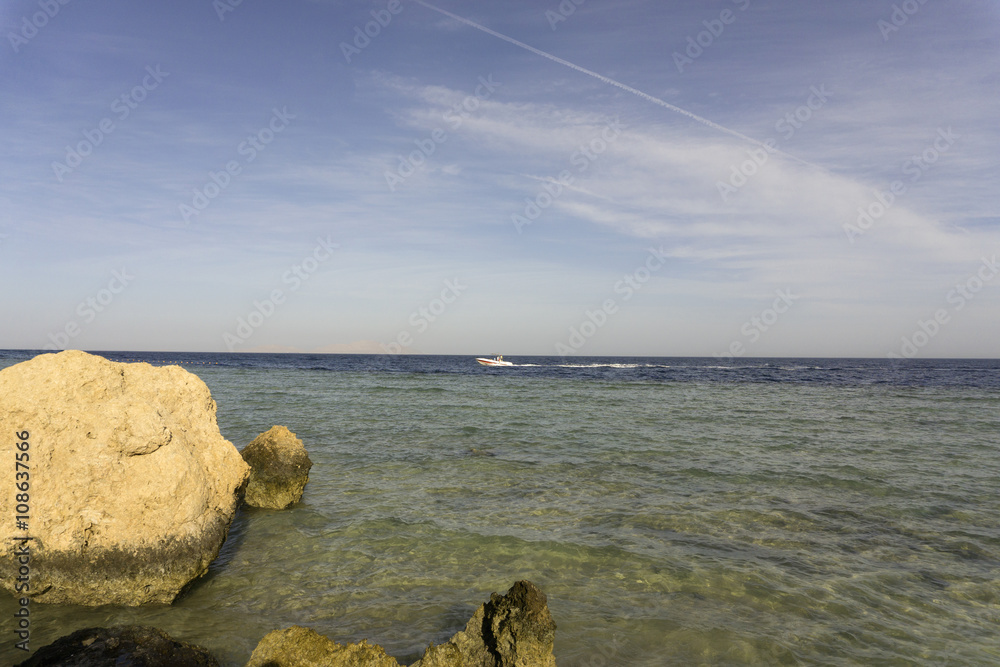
(675, 511)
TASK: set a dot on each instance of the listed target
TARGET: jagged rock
(131, 486)
(279, 469)
(301, 647)
(121, 646)
(513, 630)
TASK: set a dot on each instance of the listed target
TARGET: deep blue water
(969, 373)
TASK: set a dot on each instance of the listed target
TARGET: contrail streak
(601, 77)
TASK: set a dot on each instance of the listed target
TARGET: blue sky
(747, 177)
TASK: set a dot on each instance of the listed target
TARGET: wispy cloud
(588, 129)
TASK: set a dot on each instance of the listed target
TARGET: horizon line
(436, 354)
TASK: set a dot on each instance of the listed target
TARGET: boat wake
(598, 365)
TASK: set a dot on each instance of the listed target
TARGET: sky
(579, 178)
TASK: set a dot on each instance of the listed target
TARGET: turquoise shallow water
(669, 522)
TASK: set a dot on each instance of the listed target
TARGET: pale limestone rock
(132, 486)
(302, 647)
(279, 469)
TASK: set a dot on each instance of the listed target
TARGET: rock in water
(122, 646)
(301, 647)
(279, 469)
(131, 486)
(512, 630)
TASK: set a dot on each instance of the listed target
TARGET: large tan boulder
(279, 469)
(512, 630)
(132, 487)
(302, 647)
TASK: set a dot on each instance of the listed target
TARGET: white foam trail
(610, 81)
(594, 365)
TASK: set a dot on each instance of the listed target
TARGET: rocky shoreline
(133, 494)
(512, 630)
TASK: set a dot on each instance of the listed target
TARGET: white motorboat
(498, 361)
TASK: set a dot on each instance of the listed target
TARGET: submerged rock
(130, 485)
(475, 451)
(279, 469)
(301, 647)
(122, 646)
(512, 630)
